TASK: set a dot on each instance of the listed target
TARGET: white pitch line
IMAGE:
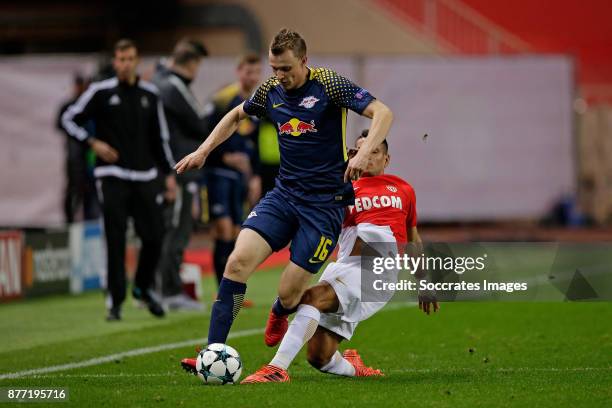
(131, 353)
(148, 350)
(117, 375)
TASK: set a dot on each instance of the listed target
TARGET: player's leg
(268, 228)
(317, 299)
(293, 282)
(340, 321)
(312, 244)
(237, 210)
(323, 352)
(250, 251)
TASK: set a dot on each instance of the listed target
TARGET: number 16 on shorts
(322, 251)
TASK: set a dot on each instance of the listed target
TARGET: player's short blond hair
(287, 39)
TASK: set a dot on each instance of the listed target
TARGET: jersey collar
(301, 89)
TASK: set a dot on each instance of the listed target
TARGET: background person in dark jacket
(80, 187)
(131, 144)
(188, 126)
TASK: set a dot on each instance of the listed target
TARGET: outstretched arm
(224, 129)
(427, 299)
(382, 117)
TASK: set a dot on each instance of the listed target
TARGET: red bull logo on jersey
(367, 203)
(296, 127)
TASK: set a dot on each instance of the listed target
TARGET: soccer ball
(219, 364)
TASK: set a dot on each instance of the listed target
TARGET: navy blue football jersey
(311, 126)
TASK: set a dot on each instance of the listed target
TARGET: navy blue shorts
(312, 230)
(226, 195)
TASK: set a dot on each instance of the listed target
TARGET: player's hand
(171, 188)
(428, 301)
(356, 166)
(104, 151)
(192, 161)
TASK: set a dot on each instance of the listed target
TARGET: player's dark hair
(187, 50)
(249, 59)
(287, 39)
(364, 134)
(124, 44)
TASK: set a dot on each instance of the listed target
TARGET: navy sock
(280, 310)
(223, 249)
(225, 309)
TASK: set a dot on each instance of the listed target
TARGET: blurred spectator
(231, 169)
(269, 155)
(80, 187)
(188, 124)
(131, 144)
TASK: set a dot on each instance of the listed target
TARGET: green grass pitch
(523, 354)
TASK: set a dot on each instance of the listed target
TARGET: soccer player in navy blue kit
(309, 107)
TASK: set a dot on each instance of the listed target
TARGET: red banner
(11, 246)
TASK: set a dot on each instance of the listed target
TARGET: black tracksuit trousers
(143, 201)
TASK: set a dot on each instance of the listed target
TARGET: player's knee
(237, 266)
(310, 297)
(318, 358)
(320, 297)
(289, 297)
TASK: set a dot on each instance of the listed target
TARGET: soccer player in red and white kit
(384, 212)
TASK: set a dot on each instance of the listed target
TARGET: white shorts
(345, 278)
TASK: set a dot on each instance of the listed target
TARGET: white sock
(301, 329)
(339, 365)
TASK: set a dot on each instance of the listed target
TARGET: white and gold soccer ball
(219, 364)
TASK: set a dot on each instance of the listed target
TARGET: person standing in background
(188, 125)
(131, 145)
(80, 185)
(232, 168)
(269, 155)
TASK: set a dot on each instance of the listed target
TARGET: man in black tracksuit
(188, 124)
(131, 144)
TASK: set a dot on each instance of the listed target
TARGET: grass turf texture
(537, 354)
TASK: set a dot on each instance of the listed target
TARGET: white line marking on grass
(148, 350)
(131, 353)
(117, 375)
